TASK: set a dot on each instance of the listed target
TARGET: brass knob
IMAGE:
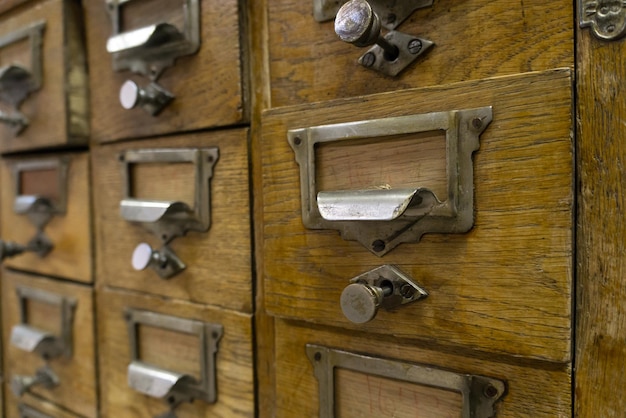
(358, 24)
(360, 301)
(44, 377)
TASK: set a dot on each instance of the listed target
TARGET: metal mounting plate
(479, 393)
(172, 386)
(391, 13)
(410, 48)
(382, 219)
(607, 19)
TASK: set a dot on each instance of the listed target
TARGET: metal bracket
(43, 343)
(382, 219)
(391, 13)
(173, 387)
(479, 393)
(606, 18)
(17, 82)
(170, 219)
(26, 411)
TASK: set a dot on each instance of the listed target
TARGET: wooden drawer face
(359, 394)
(69, 230)
(75, 370)
(473, 40)
(57, 111)
(33, 407)
(504, 286)
(208, 86)
(218, 261)
(233, 360)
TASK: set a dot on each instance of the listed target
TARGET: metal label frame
(452, 215)
(61, 165)
(479, 393)
(208, 336)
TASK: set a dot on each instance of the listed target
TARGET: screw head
(477, 123)
(491, 391)
(415, 46)
(368, 59)
(407, 291)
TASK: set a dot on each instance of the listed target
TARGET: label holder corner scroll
(606, 19)
(150, 50)
(382, 219)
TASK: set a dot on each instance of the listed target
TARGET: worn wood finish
(503, 287)
(77, 375)
(474, 39)
(533, 392)
(71, 234)
(209, 86)
(601, 254)
(41, 405)
(57, 112)
(235, 377)
(218, 261)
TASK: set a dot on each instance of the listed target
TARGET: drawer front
(33, 407)
(358, 392)
(504, 286)
(218, 261)
(10, 4)
(233, 361)
(208, 85)
(42, 50)
(57, 185)
(472, 40)
(47, 318)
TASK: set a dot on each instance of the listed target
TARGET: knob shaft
(360, 301)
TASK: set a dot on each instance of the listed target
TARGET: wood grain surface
(533, 392)
(235, 376)
(505, 286)
(77, 375)
(474, 39)
(218, 262)
(71, 233)
(601, 253)
(209, 86)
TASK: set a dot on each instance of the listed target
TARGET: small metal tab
(357, 23)
(382, 219)
(605, 18)
(26, 411)
(44, 377)
(173, 387)
(479, 393)
(17, 82)
(168, 219)
(385, 286)
(43, 343)
(391, 13)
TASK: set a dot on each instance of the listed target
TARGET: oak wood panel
(533, 392)
(57, 112)
(503, 287)
(71, 233)
(40, 405)
(474, 39)
(235, 380)
(77, 375)
(219, 269)
(601, 253)
(209, 86)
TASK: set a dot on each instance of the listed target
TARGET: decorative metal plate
(606, 18)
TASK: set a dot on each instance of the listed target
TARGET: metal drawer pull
(17, 82)
(149, 51)
(39, 210)
(30, 412)
(44, 377)
(172, 387)
(168, 219)
(392, 13)
(386, 286)
(357, 23)
(382, 219)
(479, 393)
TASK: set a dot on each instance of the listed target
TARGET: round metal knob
(360, 301)
(130, 94)
(356, 23)
(144, 256)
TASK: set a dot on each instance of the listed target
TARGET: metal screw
(491, 391)
(368, 59)
(378, 245)
(297, 140)
(317, 356)
(407, 291)
(477, 123)
(415, 46)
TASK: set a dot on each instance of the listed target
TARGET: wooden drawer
(33, 407)
(218, 262)
(48, 304)
(367, 394)
(474, 39)
(209, 86)
(57, 109)
(63, 180)
(10, 4)
(233, 360)
(503, 287)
